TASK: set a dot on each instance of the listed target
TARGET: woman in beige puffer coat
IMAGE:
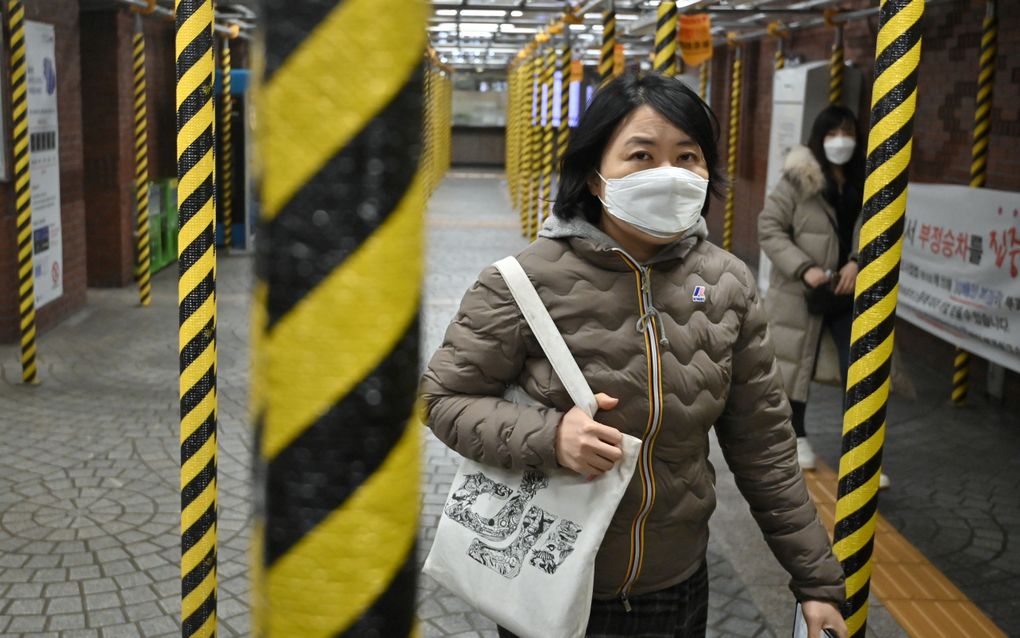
(669, 330)
(809, 229)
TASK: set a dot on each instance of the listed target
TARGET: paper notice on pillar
(695, 37)
(960, 277)
(44, 162)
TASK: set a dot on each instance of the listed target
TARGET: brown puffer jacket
(677, 364)
(797, 230)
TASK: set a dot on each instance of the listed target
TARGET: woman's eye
(688, 157)
(641, 155)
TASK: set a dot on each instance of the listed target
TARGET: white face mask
(839, 149)
(661, 202)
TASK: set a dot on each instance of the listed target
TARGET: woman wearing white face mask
(668, 329)
(809, 229)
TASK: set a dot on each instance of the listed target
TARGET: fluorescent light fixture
(482, 13)
(627, 16)
(487, 27)
(447, 26)
(577, 27)
(516, 14)
(446, 12)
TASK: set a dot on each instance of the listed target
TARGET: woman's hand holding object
(847, 278)
(585, 445)
(821, 615)
(815, 276)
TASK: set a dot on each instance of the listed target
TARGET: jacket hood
(804, 171)
(589, 238)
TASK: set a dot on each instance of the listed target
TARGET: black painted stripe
(189, 159)
(198, 529)
(901, 44)
(870, 384)
(860, 475)
(194, 395)
(195, 621)
(388, 614)
(335, 462)
(190, 107)
(194, 299)
(287, 24)
(350, 197)
(896, 95)
(858, 600)
(856, 520)
(189, 447)
(193, 52)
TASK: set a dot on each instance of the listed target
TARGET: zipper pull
(626, 603)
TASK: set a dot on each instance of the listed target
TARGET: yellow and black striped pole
(428, 149)
(537, 131)
(525, 181)
(197, 308)
(979, 159)
(563, 134)
(608, 43)
(894, 99)
(778, 31)
(836, 64)
(665, 38)
(548, 134)
(509, 160)
(703, 76)
(336, 319)
(143, 256)
(22, 187)
(226, 177)
(733, 145)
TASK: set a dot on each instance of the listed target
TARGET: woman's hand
(815, 276)
(585, 445)
(820, 615)
(847, 278)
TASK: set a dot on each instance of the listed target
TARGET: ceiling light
(516, 14)
(627, 16)
(482, 13)
(446, 12)
(577, 27)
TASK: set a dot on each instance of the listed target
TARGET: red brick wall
(64, 16)
(943, 122)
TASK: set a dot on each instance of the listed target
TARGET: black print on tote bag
(526, 529)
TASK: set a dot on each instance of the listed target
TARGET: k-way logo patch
(699, 294)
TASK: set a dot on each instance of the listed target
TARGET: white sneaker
(805, 454)
(883, 481)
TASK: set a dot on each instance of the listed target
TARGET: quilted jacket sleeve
(484, 352)
(759, 445)
(775, 232)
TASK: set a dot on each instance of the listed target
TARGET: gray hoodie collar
(578, 227)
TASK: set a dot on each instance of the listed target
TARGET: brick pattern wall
(64, 16)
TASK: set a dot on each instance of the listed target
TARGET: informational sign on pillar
(44, 159)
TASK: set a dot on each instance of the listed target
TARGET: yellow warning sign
(576, 71)
(695, 35)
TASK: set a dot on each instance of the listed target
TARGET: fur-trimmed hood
(804, 171)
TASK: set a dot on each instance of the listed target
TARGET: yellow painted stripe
(882, 176)
(897, 24)
(198, 595)
(194, 556)
(866, 366)
(387, 504)
(201, 19)
(344, 52)
(361, 310)
(899, 114)
(193, 180)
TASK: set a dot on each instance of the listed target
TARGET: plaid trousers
(680, 611)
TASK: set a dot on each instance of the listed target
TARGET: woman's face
(846, 129)
(645, 139)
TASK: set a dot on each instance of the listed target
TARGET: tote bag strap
(548, 336)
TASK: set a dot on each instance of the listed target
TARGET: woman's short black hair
(837, 117)
(673, 99)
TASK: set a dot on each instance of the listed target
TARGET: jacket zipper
(648, 317)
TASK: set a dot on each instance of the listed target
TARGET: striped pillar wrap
(780, 56)
(525, 183)
(335, 321)
(733, 143)
(520, 95)
(508, 156)
(548, 152)
(665, 38)
(563, 134)
(535, 199)
(894, 97)
(979, 159)
(447, 124)
(703, 76)
(428, 153)
(226, 180)
(22, 187)
(143, 255)
(608, 46)
(836, 64)
(197, 308)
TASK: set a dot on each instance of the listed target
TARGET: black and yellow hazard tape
(548, 137)
(733, 146)
(535, 186)
(979, 159)
(143, 256)
(197, 310)
(22, 188)
(226, 180)
(608, 46)
(563, 133)
(836, 66)
(778, 31)
(665, 38)
(703, 77)
(339, 266)
(898, 51)
(509, 159)
(525, 180)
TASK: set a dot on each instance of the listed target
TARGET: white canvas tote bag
(520, 546)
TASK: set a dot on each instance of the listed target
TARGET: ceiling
(483, 34)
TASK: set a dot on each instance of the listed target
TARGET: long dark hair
(831, 118)
(673, 99)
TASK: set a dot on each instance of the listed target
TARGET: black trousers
(680, 611)
(839, 326)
